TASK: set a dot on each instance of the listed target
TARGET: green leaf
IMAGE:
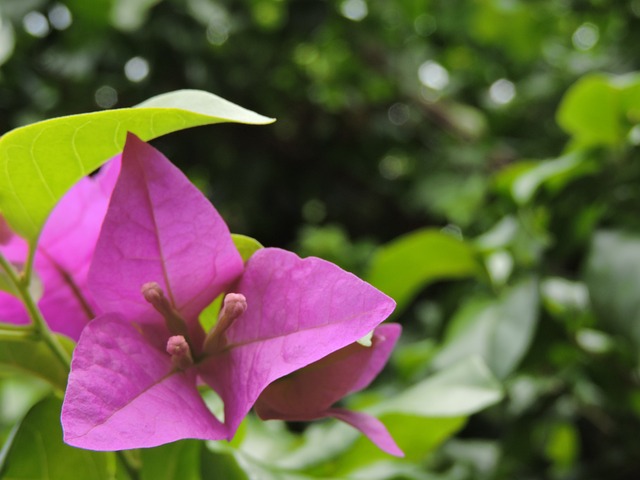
(224, 461)
(563, 445)
(419, 419)
(416, 436)
(40, 162)
(613, 278)
(35, 357)
(555, 173)
(500, 331)
(38, 452)
(459, 390)
(408, 264)
(247, 246)
(600, 109)
(220, 464)
(590, 111)
(173, 460)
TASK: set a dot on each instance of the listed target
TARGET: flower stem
(28, 266)
(17, 332)
(129, 463)
(39, 327)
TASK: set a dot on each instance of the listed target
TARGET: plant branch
(39, 326)
(129, 463)
(17, 333)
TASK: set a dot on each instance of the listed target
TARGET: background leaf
(171, 461)
(37, 451)
(35, 357)
(500, 331)
(613, 278)
(462, 389)
(419, 418)
(590, 111)
(41, 161)
(601, 109)
(410, 263)
(247, 246)
(554, 173)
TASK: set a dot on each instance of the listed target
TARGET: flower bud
(153, 293)
(178, 348)
(233, 305)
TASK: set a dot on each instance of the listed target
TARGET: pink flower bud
(178, 348)
(153, 293)
(233, 305)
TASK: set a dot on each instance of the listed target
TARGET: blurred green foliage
(477, 160)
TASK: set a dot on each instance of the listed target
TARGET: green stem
(28, 266)
(130, 465)
(39, 326)
(17, 333)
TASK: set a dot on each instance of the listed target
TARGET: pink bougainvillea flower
(63, 255)
(310, 392)
(164, 253)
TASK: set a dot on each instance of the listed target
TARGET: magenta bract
(311, 392)
(63, 256)
(164, 254)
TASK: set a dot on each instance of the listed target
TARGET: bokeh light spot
(393, 166)
(398, 113)
(136, 69)
(355, 10)
(60, 17)
(425, 25)
(36, 24)
(502, 91)
(106, 96)
(314, 211)
(218, 31)
(586, 36)
(433, 75)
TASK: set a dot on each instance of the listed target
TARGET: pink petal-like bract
(163, 254)
(298, 311)
(160, 228)
(124, 393)
(63, 255)
(371, 427)
(309, 393)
